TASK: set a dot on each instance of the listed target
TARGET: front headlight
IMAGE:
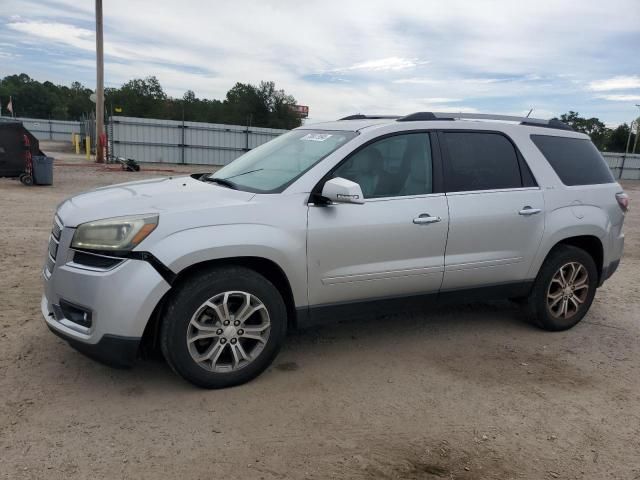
(114, 234)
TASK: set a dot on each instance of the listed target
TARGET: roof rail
(551, 123)
(535, 122)
(360, 116)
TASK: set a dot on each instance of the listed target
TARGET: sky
(346, 57)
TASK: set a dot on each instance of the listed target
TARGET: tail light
(623, 201)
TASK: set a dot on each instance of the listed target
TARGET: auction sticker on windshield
(316, 137)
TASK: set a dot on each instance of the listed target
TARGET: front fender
(286, 249)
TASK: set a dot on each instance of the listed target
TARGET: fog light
(76, 314)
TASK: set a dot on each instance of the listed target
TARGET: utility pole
(635, 142)
(626, 150)
(99, 84)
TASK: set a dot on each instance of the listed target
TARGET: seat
(417, 178)
(366, 170)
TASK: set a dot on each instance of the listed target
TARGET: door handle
(425, 218)
(526, 211)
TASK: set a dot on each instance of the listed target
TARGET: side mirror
(341, 190)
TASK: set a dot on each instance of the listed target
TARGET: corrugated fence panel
(169, 141)
(624, 167)
(57, 130)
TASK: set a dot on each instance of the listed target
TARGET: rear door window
(480, 161)
(575, 160)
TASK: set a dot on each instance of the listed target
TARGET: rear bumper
(608, 271)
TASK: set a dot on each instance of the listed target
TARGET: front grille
(57, 228)
(53, 248)
(54, 242)
(48, 268)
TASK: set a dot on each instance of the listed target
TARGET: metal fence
(57, 130)
(624, 167)
(169, 141)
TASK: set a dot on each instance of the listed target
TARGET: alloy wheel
(568, 290)
(228, 331)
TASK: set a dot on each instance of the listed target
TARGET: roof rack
(535, 122)
(359, 116)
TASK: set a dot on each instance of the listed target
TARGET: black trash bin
(42, 170)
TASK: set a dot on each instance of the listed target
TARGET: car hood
(147, 196)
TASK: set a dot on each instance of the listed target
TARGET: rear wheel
(223, 327)
(564, 289)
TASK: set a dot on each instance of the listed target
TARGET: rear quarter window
(576, 161)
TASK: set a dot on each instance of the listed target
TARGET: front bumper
(121, 301)
(119, 352)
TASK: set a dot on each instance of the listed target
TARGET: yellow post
(87, 143)
(73, 138)
(76, 142)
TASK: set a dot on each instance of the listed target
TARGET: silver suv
(357, 216)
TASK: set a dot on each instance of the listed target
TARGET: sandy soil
(468, 392)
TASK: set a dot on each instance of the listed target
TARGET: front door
(393, 244)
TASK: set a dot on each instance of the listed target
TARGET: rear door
(496, 210)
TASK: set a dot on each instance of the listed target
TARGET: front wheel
(223, 327)
(564, 289)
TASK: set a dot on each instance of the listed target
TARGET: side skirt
(322, 314)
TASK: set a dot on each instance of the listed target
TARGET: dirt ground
(467, 392)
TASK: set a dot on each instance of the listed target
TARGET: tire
(26, 179)
(553, 289)
(239, 348)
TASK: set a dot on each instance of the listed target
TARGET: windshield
(272, 166)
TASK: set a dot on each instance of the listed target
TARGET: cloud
(441, 100)
(621, 82)
(409, 56)
(84, 39)
(58, 32)
(620, 98)
(384, 64)
(416, 81)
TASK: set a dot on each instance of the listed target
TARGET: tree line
(604, 138)
(260, 105)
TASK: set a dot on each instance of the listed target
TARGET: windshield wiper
(243, 173)
(221, 181)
